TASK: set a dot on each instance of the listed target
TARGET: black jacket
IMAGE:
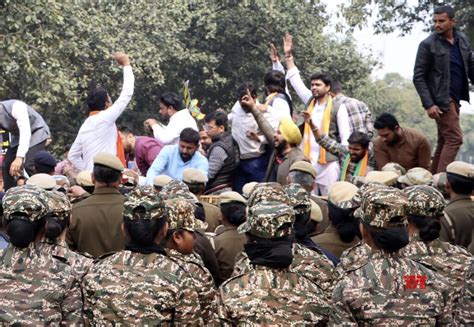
(431, 75)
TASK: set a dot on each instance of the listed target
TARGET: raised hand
(121, 58)
(273, 53)
(288, 44)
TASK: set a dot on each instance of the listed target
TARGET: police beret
(194, 176)
(416, 176)
(84, 178)
(304, 166)
(248, 188)
(45, 181)
(316, 213)
(161, 180)
(108, 160)
(395, 167)
(388, 178)
(461, 168)
(43, 158)
(231, 196)
(341, 194)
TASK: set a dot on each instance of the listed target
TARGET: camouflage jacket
(203, 283)
(450, 261)
(378, 294)
(37, 289)
(351, 259)
(266, 296)
(464, 312)
(132, 288)
(79, 263)
(311, 264)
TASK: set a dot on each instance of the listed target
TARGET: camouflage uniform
(60, 208)
(36, 288)
(449, 260)
(181, 216)
(264, 295)
(376, 293)
(133, 288)
(464, 312)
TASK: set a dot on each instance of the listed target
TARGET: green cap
(30, 200)
(180, 214)
(300, 199)
(425, 201)
(269, 192)
(143, 203)
(59, 205)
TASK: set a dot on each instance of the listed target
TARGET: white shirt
(20, 113)
(169, 134)
(98, 133)
(327, 174)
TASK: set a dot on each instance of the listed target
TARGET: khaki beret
(461, 168)
(388, 178)
(231, 196)
(248, 188)
(108, 160)
(84, 178)
(161, 180)
(395, 167)
(416, 176)
(316, 213)
(194, 176)
(304, 166)
(341, 194)
(45, 181)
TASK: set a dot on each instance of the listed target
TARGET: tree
(54, 52)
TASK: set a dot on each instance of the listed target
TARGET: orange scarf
(324, 128)
(270, 98)
(120, 149)
(361, 168)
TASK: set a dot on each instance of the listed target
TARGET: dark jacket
(431, 75)
(224, 176)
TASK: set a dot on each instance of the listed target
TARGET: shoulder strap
(450, 228)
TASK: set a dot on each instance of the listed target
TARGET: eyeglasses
(208, 127)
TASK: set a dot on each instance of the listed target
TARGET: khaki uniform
(204, 248)
(331, 241)
(323, 205)
(213, 216)
(96, 223)
(228, 244)
(461, 217)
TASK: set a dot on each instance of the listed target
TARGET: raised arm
(20, 113)
(293, 74)
(249, 102)
(113, 113)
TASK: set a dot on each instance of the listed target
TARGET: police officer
(35, 287)
(141, 285)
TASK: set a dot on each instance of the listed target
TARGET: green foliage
(53, 52)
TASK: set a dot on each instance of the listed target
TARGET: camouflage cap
(416, 176)
(269, 192)
(369, 187)
(395, 167)
(59, 205)
(381, 205)
(424, 201)
(145, 198)
(266, 219)
(30, 200)
(180, 214)
(300, 199)
(172, 188)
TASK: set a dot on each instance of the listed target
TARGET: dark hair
(336, 87)
(274, 81)
(445, 10)
(105, 174)
(234, 212)
(54, 227)
(97, 98)
(459, 184)
(143, 231)
(219, 117)
(389, 239)
(67, 147)
(189, 135)
(429, 227)
(242, 90)
(199, 212)
(357, 137)
(89, 189)
(42, 169)
(300, 225)
(323, 77)
(22, 232)
(196, 188)
(171, 99)
(386, 120)
(346, 225)
(125, 130)
(169, 234)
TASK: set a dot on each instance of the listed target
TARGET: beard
(185, 157)
(281, 145)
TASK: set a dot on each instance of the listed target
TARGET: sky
(395, 53)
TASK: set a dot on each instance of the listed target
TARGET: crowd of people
(245, 217)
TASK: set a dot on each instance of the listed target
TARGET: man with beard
(357, 158)
(178, 119)
(223, 155)
(173, 159)
(205, 142)
(404, 146)
(285, 141)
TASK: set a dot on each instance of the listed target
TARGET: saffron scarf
(270, 98)
(361, 168)
(324, 128)
(120, 149)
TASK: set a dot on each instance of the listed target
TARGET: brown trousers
(449, 139)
